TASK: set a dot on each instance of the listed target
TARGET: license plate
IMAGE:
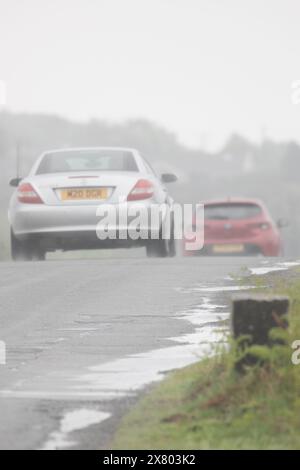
(228, 248)
(83, 194)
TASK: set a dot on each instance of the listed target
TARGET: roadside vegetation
(210, 406)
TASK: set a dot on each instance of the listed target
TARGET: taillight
(28, 195)
(142, 190)
(261, 226)
(265, 226)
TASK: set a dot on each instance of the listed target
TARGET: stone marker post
(252, 319)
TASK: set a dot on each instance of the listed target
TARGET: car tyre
(172, 242)
(162, 248)
(24, 250)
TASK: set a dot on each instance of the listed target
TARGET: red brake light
(28, 195)
(260, 226)
(265, 226)
(142, 190)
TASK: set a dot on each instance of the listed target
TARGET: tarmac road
(83, 336)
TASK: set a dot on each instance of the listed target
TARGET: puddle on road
(73, 421)
(284, 266)
(65, 393)
(222, 288)
(211, 325)
(266, 270)
(79, 330)
(126, 376)
(217, 289)
(132, 373)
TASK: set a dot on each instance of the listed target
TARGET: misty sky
(202, 68)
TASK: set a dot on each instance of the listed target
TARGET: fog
(269, 171)
(149, 221)
(206, 89)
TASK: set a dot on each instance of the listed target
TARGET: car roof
(233, 201)
(80, 149)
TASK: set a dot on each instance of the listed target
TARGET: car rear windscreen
(94, 160)
(231, 211)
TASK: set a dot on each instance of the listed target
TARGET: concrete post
(253, 317)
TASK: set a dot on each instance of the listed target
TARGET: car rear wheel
(172, 242)
(38, 255)
(25, 250)
(162, 248)
(157, 248)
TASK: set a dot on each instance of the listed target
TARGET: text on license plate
(79, 194)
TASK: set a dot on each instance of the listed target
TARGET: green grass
(210, 406)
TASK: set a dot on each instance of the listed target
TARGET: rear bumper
(251, 247)
(30, 219)
(80, 240)
(208, 250)
(77, 227)
(39, 219)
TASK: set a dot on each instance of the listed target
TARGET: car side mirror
(282, 223)
(14, 183)
(168, 178)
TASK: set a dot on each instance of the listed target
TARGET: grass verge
(209, 406)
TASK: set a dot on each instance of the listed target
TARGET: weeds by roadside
(211, 406)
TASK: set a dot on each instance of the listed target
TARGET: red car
(238, 227)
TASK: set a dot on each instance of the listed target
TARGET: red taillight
(265, 226)
(261, 226)
(28, 195)
(142, 190)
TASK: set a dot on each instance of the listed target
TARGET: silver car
(56, 206)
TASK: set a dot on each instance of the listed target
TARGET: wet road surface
(84, 336)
